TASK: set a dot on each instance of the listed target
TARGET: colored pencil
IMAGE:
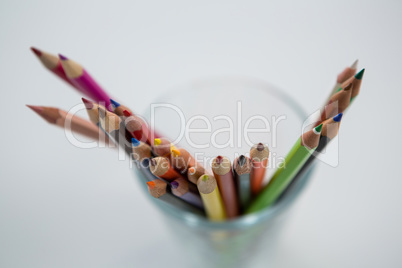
(222, 170)
(294, 161)
(194, 173)
(92, 111)
(141, 150)
(337, 103)
(181, 159)
(122, 110)
(53, 64)
(347, 73)
(211, 198)
(78, 125)
(161, 168)
(159, 189)
(242, 167)
(356, 82)
(187, 191)
(133, 126)
(84, 81)
(259, 154)
(119, 109)
(161, 147)
(329, 131)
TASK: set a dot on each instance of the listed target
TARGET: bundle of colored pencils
(171, 174)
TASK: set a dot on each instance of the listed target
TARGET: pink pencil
(52, 63)
(83, 80)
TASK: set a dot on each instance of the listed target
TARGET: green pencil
(294, 161)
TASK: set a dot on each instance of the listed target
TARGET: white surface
(61, 206)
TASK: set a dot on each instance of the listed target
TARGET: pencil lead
(114, 103)
(205, 177)
(348, 87)
(338, 117)
(241, 161)
(219, 159)
(354, 65)
(62, 57)
(360, 74)
(174, 151)
(317, 130)
(89, 105)
(126, 113)
(36, 51)
(36, 109)
(174, 184)
(157, 142)
(135, 142)
(191, 170)
(260, 147)
(151, 184)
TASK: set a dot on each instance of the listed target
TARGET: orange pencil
(161, 168)
(259, 154)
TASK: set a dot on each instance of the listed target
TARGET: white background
(61, 206)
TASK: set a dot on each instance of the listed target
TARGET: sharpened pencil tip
(360, 74)
(338, 117)
(205, 177)
(151, 184)
(174, 184)
(126, 113)
(63, 57)
(89, 105)
(135, 142)
(36, 51)
(157, 142)
(260, 147)
(175, 152)
(36, 109)
(317, 130)
(219, 159)
(114, 103)
(191, 170)
(241, 161)
(354, 65)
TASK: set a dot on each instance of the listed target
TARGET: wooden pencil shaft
(163, 148)
(142, 151)
(183, 161)
(194, 173)
(228, 192)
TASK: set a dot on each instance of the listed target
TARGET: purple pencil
(80, 78)
(186, 191)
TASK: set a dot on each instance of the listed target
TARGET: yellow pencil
(211, 198)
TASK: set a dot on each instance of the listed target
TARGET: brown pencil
(161, 168)
(222, 170)
(194, 173)
(259, 154)
(187, 191)
(92, 111)
(78, 125)
(159, 189)
(134, 127)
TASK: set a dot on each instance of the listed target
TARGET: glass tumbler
(225, 116)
